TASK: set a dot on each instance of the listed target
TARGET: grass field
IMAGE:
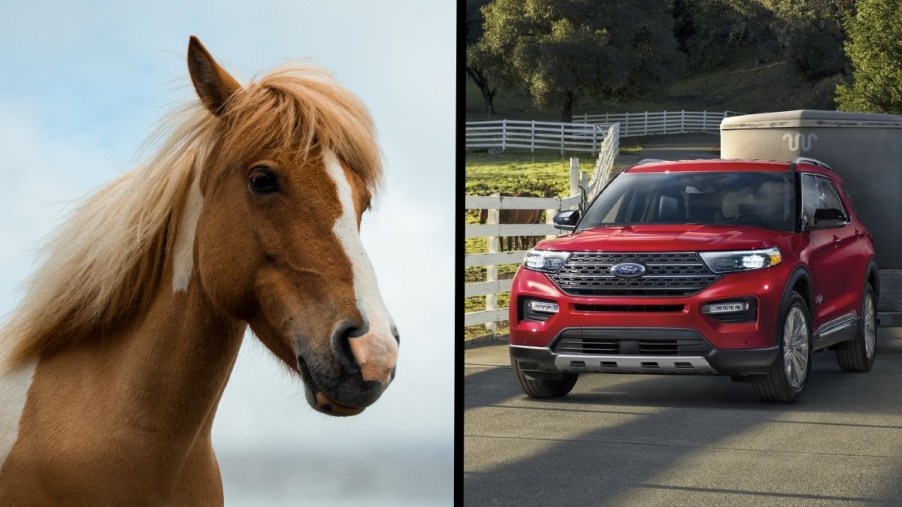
(545, 174)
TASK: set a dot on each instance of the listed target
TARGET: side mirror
(829, 217)
(566, 220)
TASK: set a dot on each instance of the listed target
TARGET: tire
(789, 374)
(544, 388)
(858, 354)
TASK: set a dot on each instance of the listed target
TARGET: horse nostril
(371, 354)
(341, 346)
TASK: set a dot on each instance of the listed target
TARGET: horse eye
(261, 180)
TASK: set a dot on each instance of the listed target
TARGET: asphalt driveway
(674, 440)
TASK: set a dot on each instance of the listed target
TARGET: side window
(831, 198)
(811, 198)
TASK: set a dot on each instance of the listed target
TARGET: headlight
(546, 261)
(746, 260)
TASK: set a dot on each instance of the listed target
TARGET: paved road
(636, 440)
(673, 147)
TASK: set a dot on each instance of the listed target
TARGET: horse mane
(106, 261)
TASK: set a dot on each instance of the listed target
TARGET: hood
(665, 238)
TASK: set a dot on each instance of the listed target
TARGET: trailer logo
(800, 141)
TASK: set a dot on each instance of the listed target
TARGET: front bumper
(665, 335)
(542, 362)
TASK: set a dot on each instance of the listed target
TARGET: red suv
(725, 267)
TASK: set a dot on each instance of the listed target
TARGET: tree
(876, 55)
(714, 31)
(477, 59)
(563, 50)
(811, 31)
(684, 27)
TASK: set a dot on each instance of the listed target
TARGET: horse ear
(213, 84)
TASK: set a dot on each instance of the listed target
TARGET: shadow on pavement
(661, 440)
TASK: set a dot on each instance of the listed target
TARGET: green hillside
(745, 88)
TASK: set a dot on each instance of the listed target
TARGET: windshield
(760, 199)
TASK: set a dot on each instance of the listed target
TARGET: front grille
(643, 342)
(667, 274)
(630, 308)
(575, 345)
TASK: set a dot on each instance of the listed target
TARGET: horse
(114, 362)
(515, 216)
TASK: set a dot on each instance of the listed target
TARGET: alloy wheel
(795, 348)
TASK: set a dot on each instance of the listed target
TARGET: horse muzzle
(362, 368)
(326, 405)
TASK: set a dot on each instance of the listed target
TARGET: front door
(826, 261)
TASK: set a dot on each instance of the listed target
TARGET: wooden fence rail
(534, 135)
(492, 230)
(660, 122)
(587, 130)
(583, 189)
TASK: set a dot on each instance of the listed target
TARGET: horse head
(277, 209)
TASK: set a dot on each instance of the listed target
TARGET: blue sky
(82, 84)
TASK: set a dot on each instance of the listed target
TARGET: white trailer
(864, 149)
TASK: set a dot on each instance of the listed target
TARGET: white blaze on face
(377, 350)
(14, 385)
(183, 252)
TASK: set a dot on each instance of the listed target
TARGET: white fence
(582, 190)
(534, 135)
(662, 122)
(587, 130)
(492, 230)
(604, 165)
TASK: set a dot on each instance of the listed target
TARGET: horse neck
(174, 359)
(177, 360)
(146, 390)
(165, 371)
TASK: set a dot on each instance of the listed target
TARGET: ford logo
(628, 269)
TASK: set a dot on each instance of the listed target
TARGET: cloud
(43, 176)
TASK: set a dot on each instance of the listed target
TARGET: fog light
(725, 307)
(732, 311)
(542, 306)
(537, 311)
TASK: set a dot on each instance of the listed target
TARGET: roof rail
(809, 160)
(649, 161)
